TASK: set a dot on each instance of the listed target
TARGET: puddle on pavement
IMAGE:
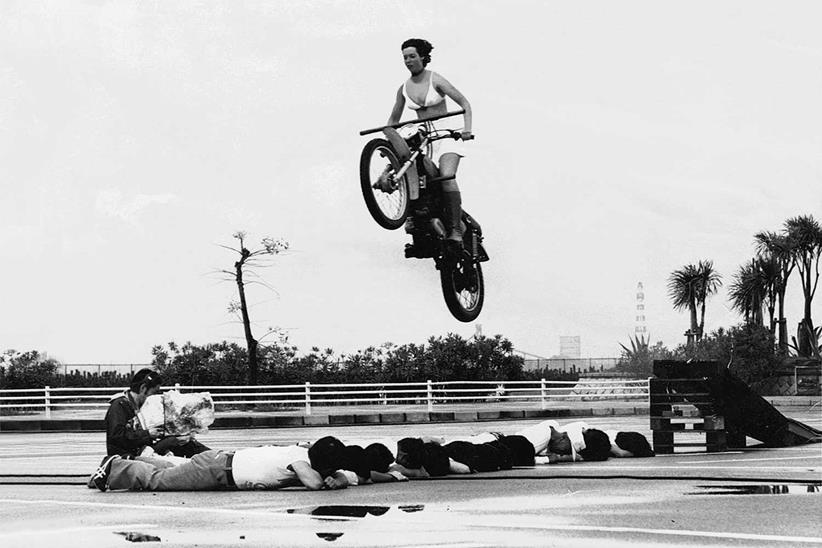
(132, 536)
(352, 511)
(795, 489)
(348, 511)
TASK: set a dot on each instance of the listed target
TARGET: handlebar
(420, 121)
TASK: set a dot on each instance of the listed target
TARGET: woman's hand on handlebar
(466, 135)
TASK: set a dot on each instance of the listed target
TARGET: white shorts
(444, 146)
(436, 149)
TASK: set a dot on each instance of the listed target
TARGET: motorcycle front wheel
(463, 289)
(387, 203)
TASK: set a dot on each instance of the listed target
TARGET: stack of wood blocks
(683, 411)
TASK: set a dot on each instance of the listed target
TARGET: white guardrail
(292, 397)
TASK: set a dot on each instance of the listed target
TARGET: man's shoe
(100, 476)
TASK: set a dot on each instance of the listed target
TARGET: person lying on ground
(269, 467)
(562, 443)
(487, 452)
(629, 444)
(419, 458)
(127, 436)
(370, 465)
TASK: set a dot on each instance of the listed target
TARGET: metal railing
(305, 396)
(570, 365)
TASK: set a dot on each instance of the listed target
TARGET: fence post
(48, 402)
(542, 393)
(307, 398)
(177, 386)
(429, 395)
(795, 381)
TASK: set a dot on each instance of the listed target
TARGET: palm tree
(777, 248)
(753, 290)
(805, 236)
(689, 287)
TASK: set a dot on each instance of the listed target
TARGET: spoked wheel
(387, 202)
(463, 289)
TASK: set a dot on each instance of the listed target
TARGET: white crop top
(432, 97)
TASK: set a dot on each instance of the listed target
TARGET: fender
(404, 154)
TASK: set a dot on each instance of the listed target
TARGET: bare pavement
(756, 497)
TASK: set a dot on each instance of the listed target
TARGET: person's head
(145, 383)
(597, 445)
(326, 455)
(522, 450)
(635, 443)
(410, 452)
(435, 459)
(378, 457)
(354, 460)
(559, 442)
(416, 54)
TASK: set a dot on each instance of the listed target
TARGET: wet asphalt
(755, 497)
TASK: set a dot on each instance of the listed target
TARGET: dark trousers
(190, 449)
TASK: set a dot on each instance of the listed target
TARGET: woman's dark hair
(355, 461)
(144, 377)
(423, 48)
(435, 459)
(378, 457)
(413, 449)
(326, 455)
(522, 450)
(597, 445)
(634, 442)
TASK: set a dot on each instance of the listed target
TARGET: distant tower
(640, 330)
(477, 330)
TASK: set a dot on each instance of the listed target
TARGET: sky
(615, 143)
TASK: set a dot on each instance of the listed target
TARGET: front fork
(389, 183)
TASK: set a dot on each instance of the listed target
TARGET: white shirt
(267, 467)
(540, 434)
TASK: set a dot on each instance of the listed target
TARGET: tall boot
(452, 215)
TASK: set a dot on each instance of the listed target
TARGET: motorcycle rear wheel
(463, 289)
(388, 208)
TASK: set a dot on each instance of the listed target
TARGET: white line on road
(77, 529)
(244, 511)
(681, 533)
(617, 469)
(805, 457)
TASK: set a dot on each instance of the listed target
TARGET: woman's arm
(445, 87)
(380, 477)
(409, 472)
(456, 467)
(396, 112)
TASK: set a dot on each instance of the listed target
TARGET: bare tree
(243, 269)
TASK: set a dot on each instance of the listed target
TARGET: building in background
(569, 347)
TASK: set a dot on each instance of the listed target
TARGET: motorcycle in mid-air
(402, 186)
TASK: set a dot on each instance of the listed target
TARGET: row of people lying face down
(544, 443)
(328, 463)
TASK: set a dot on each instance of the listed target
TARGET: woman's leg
(451, 197)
